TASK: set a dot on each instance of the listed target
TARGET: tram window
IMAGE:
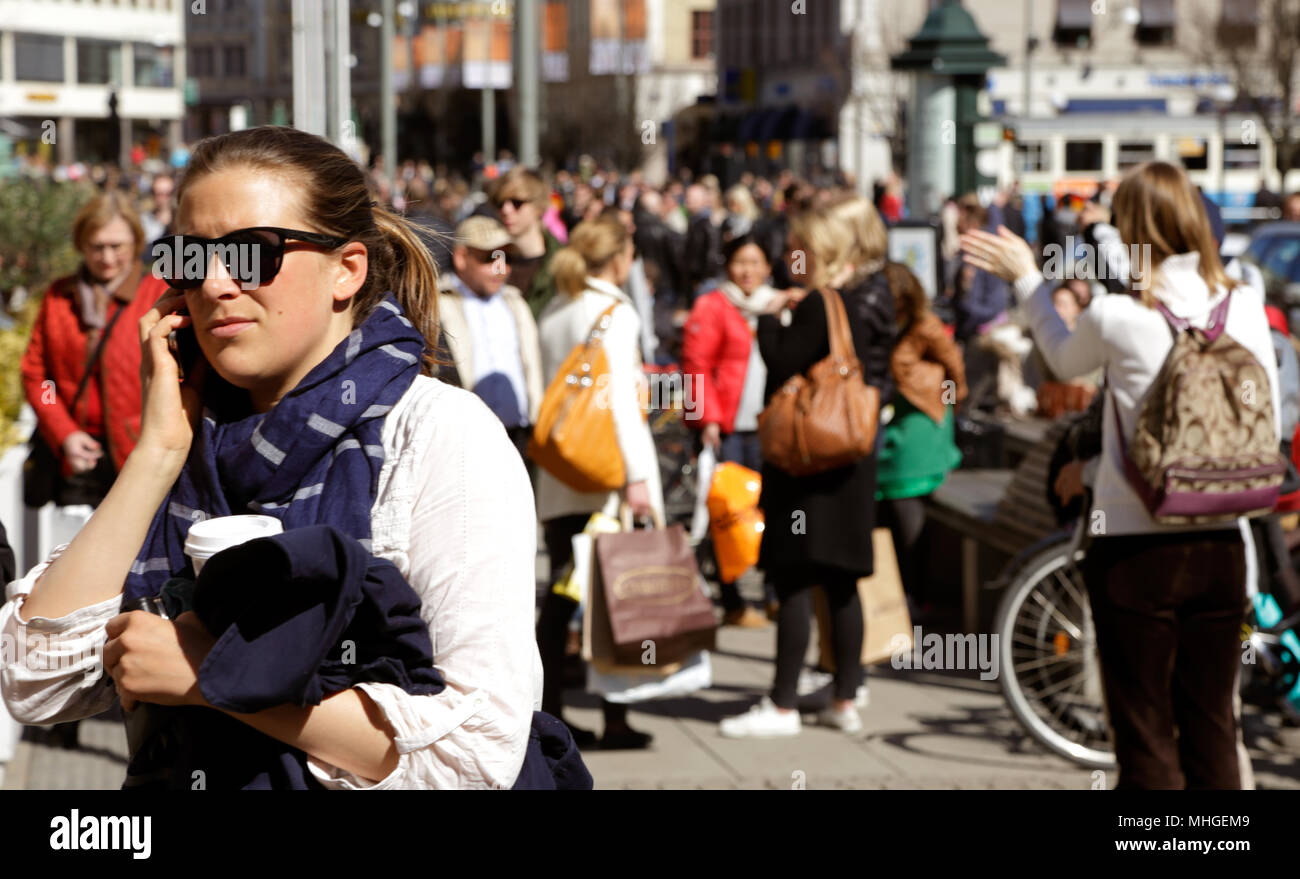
(1193, 153)
(1240, 155)
(1135, 152)
(1083, 155)
(1030, 157)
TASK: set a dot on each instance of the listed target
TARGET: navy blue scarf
(313, 459)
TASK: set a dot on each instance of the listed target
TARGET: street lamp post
(949, 58)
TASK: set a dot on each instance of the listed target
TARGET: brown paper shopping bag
(884, 608)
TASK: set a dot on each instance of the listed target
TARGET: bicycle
(1048, 653)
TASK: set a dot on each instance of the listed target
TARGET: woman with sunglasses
(520, 197)
(311, 401)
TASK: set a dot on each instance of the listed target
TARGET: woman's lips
(225, 331)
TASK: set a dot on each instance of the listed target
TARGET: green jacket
(542, 288)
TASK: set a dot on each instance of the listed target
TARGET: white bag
(704, 466)
(695, 674)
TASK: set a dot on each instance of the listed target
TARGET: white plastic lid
(211, 536)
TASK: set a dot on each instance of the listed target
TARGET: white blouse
(454, 513)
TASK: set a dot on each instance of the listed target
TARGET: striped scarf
(314, 458)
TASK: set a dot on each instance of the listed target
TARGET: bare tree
(1262, 58)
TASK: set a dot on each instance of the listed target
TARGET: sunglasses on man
(252, 256)
(516, 203)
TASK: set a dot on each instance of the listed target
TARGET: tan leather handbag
(826, 418)
(574, 439)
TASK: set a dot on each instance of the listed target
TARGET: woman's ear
(353, 266)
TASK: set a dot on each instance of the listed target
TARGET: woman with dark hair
(919, 449)
(721, 358)
(309, 400)
(1167, 599)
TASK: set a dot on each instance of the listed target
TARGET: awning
(751, 123)
(14, 128)
(809, 126)
(1074, 15)
(778, 125)
(1116, 105)
(1157, 13)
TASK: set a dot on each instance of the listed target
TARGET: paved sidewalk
(923, 730)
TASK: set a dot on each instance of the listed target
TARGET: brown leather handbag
(826, 418)
(575, 439)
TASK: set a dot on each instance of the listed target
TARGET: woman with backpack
(1167, 597)
(818, 528)
(589, 274)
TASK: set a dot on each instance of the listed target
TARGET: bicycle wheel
(1048, 653)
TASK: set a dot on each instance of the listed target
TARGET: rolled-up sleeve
(53, 669)
(466, 538)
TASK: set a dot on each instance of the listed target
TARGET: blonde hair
(102, 210)
(745, 206)
(332, 192)
(1157, 209)
(828, 240)
(522, 183)
(592, 245)
(870, 242)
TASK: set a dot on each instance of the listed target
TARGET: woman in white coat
(589, 274)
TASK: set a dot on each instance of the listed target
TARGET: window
(232, 61)
(201, 60)
(1073, 27)
(1135, 152)
(98, 61)
(1156, 27)
(153, 65)
(702, 34)
(1239, 23)
(38, 58)
(1083, 155)
(1192, 152)
(1031, 157)
(1240, 156)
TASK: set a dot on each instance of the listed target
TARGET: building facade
(87, 80)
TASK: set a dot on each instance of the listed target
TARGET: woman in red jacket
(727, 374)
(92, 439)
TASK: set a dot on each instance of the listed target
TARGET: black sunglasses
(252, 256)
(516, 203)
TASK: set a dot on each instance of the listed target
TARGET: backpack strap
(1213, 328)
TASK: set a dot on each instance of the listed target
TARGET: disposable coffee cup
(211, 536)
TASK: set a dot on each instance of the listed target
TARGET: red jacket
(109, 407)
(715, 354)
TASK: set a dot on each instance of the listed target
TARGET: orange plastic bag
(735, 521)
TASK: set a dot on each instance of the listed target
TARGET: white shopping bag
(704, 465)
(695, 674)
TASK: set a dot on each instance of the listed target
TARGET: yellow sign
(44, 97)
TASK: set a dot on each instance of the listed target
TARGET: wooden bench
(1005, 510)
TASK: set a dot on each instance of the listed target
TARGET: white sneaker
(762, 721)
(862, 698)
(845, 720)
(811, 680)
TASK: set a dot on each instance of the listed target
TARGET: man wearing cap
(490, 328)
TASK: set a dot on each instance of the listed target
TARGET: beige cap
(482, 233)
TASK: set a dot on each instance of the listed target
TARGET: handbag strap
(837, 325)
(602, 323)
(99, 350)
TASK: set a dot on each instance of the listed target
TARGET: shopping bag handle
(626, 520)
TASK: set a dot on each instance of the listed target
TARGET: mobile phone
(184, 345)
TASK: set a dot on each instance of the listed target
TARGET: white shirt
(1131, 341)
(496, 342)
(454, 513)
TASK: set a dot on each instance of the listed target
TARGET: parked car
(1275, 250)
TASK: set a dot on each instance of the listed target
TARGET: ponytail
(412, 276)
(569, 270)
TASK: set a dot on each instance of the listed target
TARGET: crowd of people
(735, 287)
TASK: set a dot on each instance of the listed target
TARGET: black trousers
(905, 518)
(553, 623)
(1168, 610)
(794, 627)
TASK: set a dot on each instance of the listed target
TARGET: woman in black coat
(818, 528)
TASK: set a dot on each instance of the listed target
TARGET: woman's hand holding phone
(171, 409)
